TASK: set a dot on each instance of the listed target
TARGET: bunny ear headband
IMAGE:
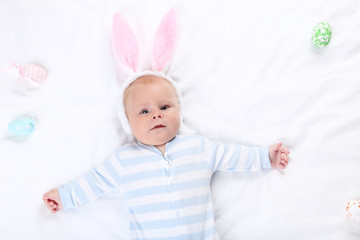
(126, 51)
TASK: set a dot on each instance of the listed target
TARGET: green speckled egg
(321, 35)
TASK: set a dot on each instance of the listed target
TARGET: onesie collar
(169, 145)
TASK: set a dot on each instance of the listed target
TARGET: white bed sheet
(248, 73)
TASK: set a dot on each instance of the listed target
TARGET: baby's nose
(157, 115)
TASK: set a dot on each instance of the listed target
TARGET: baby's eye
(164, 107)
(144, 111)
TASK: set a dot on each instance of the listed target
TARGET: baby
(164, 177)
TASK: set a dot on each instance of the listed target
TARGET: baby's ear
(125, 44)
(164, 41)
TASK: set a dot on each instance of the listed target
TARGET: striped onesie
(168, 196)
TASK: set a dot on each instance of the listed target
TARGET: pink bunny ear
(164, 41)
(124, 42)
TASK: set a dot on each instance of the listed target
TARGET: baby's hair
(146, 80)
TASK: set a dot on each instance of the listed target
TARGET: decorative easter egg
(321, 35)
(353, 210)
(22, 126)
(32, 74)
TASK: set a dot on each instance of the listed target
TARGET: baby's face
(152, 107)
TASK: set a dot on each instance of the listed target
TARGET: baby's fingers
(284, 162)
(284, 157)
(284, 150)
(54, 210)
(52, 206)
(281, 166)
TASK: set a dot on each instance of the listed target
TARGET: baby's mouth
(157, 127)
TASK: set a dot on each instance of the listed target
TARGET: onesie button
(178, 214)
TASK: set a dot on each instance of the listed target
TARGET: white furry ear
(164, 41)
(125, 44)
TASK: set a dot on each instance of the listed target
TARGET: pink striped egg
(32, 74)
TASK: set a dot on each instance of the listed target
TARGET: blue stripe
(65, 197)
(113, 173)
(250, 159)
(90, 178)
(265, 160)
(165, 189)
(158, 224)
(191, 167)
(96, 180)
(235, 158)
(193, 184)
(187, 152)
(79, 192)
(165, 206)
(154, 207)
(127, 162)
(146, 191)
(183, 139)
(226, 147)
(195, 218)
(188, 202)
(170, 223)
(142, 175)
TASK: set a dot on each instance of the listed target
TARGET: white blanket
(248, 73)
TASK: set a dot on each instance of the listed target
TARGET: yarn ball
(321, 35)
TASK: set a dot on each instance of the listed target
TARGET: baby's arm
(52, 200)
(237, 157)
(87, 188)
(278, 156)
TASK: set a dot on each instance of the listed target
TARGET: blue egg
(22, 126)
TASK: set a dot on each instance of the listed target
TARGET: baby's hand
(278, 156)
(52, 200)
